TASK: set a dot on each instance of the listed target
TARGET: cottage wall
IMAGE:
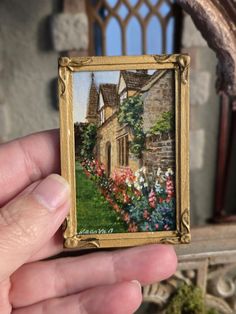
(160, 152)
(158, 99)
(107, 133)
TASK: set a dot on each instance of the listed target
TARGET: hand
(33, 204)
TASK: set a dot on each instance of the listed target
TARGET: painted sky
(81, 86)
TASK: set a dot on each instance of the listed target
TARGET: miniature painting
(125, 151)
(124, 126)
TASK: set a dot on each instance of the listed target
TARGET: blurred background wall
(28, 66)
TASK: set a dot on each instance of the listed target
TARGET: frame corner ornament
(77, 242)
(183, 63)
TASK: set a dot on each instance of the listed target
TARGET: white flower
(137, 186)
(169, 172)
(159, 172)
(128, 182)
(141, 179)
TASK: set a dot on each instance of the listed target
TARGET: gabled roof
(109, 93)
(135, 80)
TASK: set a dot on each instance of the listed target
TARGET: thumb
(30, 220)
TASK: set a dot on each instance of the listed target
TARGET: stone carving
(220, 284)
(207, 15)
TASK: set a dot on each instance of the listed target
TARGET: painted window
(123, 151)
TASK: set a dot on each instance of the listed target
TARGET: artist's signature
(96, 231)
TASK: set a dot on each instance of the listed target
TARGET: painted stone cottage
(112, 145)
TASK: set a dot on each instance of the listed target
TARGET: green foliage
(93, 210)
(164, 124)
(85, 139)
(131, 110)
(187, 300)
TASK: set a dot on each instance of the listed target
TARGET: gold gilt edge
(69, 65)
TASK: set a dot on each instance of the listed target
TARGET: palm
(92, 283)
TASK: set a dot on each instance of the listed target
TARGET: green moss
(188, 300)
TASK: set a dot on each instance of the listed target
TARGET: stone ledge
(215, 242)
(70, 31)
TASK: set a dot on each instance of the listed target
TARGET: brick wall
(158, 99)
(160, 152)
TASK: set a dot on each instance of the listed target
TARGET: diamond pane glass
(143, 10)
(123, 11)
(164, 9)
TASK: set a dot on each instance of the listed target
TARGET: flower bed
(145, 202)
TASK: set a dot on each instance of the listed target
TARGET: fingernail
(137, 283)
(52, 192)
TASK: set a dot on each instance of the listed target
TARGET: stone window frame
(95, 17)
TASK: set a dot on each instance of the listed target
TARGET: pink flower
(157, 226)
(152, 199)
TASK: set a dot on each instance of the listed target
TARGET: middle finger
(57, 278)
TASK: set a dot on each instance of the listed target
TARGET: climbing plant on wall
(166, 123)
(130, 113)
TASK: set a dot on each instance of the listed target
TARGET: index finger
(26, 160)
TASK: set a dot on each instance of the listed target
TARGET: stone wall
(158, 99)
(107, 133)
(160, 152)
(29, 68)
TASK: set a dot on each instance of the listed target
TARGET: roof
(92, 100)
(135, 80)
(109, 93)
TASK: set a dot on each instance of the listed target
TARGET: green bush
(165, 123)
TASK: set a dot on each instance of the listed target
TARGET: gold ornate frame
(180, 64)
